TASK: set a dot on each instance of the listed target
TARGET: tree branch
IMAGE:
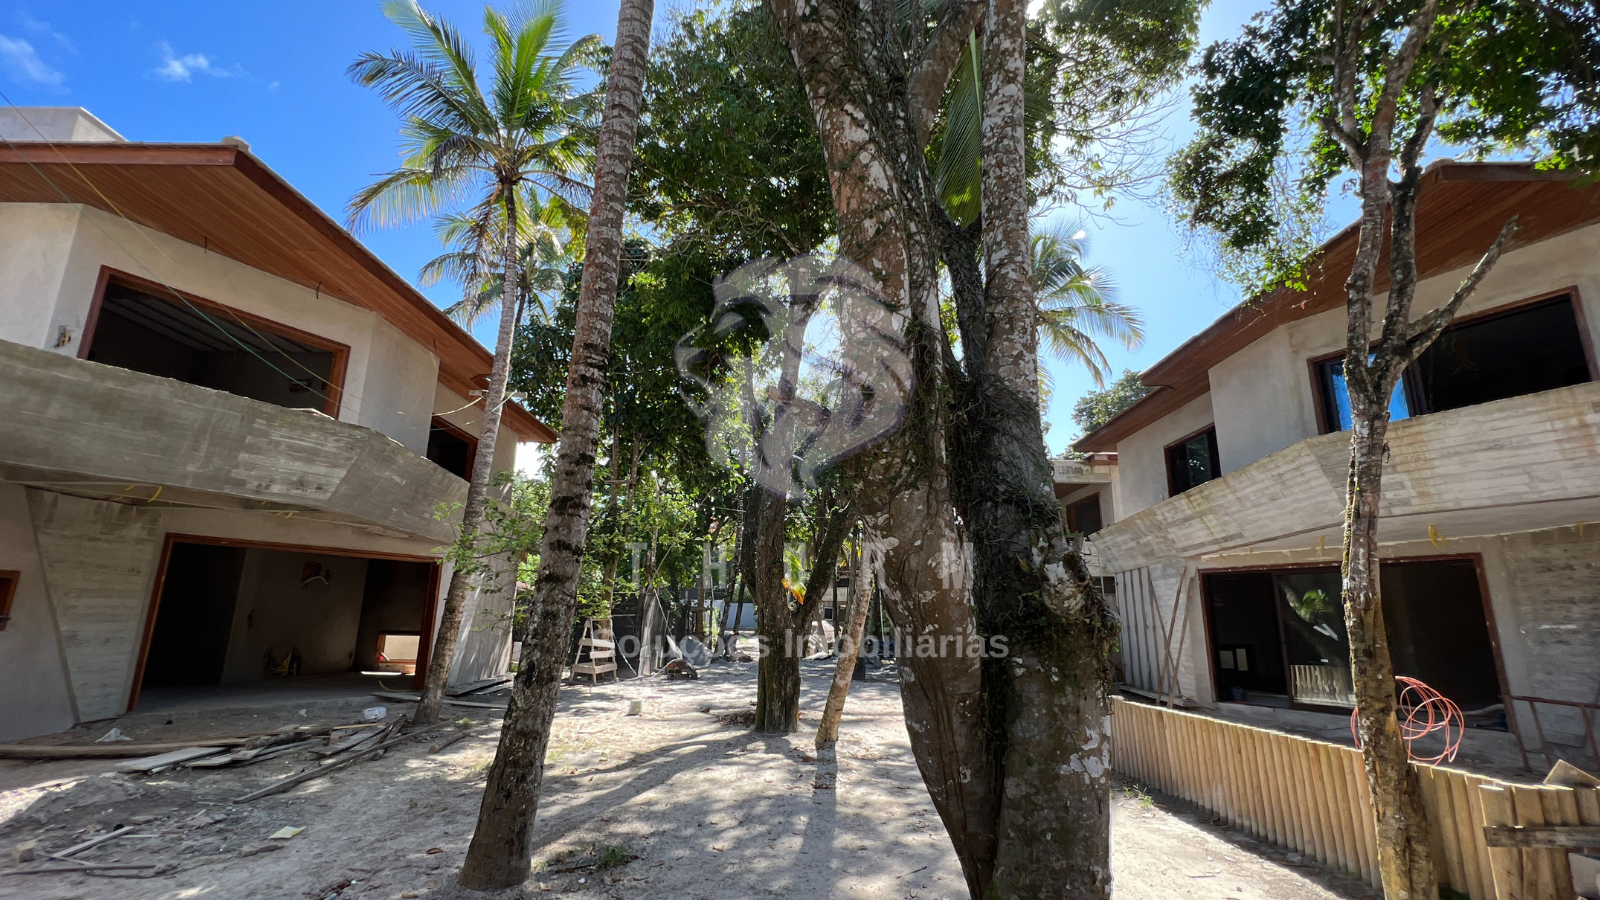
(1400, 68)
(939, 59)
(1425, 330)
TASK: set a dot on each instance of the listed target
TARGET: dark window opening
(1245, 638)
(1535, 347)
(8, 592)
(205, 345)
(452, 449)
(1193, 462)
(1084, 517)
(1279, 637)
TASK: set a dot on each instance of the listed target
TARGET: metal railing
(1587, 712)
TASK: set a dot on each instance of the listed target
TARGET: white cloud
(24, 63)
(34, 26)
(182, 68)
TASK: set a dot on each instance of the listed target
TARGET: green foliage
(1096, 408)
(727, 156)
(514, 514)
(1094, 68)
(1078, 302)
(1509, 76)
(527, 127)
(613, 856)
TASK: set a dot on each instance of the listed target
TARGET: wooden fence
(1312, 797)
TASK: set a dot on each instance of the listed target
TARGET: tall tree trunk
(455, 601)
(849, 643)
(778, 666)
(500, 854)
(1013, 752)
(1047, 700)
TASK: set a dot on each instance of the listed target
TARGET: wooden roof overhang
(1461, 209)
(220, 197)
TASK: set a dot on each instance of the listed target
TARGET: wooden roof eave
(221, 197)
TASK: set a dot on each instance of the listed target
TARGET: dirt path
(709, 810)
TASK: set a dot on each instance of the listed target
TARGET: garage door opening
(151, 329)
(264, 617)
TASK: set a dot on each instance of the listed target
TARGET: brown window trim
(1166, 458)
(8, 592)
(1584, 336)
(429, 612)
(108, 275)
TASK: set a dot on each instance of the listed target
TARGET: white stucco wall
(52, 255)
(447, 405)
(35, 241)
(36, 698)
(1259, 404)
(1141, 457)
(1262, 397)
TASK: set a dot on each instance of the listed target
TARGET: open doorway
(252, 616)
(1278, 636)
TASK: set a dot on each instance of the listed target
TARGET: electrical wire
(344, 394)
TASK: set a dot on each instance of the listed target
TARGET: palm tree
(1077, 303)
(481, 148)
(543, 261)
(501, 852)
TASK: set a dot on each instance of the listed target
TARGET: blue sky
(275, 75)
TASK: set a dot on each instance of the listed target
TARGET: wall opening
(1278, 637)
(1531, 347)
(8, 592)
(189, 644)
(1193, 461)
(148, 330)
(252, 614)
(1084, 516)
(452, 449)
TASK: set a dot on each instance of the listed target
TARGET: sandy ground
(699, 807)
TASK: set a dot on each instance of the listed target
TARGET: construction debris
(478, 687)
(413, 698)
(79, 867)
(440, 745)
(680, 669)
(114, 734)
(309, 774)
(1565, 774)
(164, 761)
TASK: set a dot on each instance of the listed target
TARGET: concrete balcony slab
(1513, 465)
(107, 433)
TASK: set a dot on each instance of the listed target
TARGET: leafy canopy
(1096, 408)
(1499, 75)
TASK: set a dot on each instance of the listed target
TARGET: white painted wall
(36, 698)
(276, 612)
(1142, 461)
(389, 379)
(1262, 396)
(448, 405)
(1257, 416)
(35, 241)
(54, 123)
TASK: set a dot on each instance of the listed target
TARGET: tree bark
(849, 643)
(455, 601)
(500, 854)
(1013, 751)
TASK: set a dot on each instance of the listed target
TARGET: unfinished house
(227, 430)
(1224, 527)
